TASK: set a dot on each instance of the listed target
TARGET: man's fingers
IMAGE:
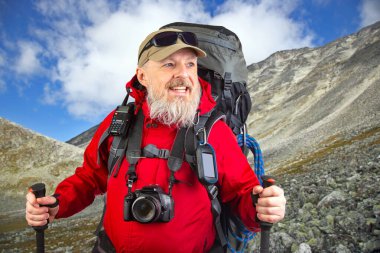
(272, 191)
(277, 210)
(269, 218)
(257, 189)
(35, 209)
(271, 214)
(271, 201)
(49, 200)
(51, 217)
(271, 204)
(36, 223)
(35, 213)
(31, 198)
(37, 217)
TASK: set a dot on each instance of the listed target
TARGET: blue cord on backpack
(254, 146)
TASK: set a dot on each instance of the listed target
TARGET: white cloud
(51, 95)
(263, 27)
(28, 61)
(369, 12)
(94, 44)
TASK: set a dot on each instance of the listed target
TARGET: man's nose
(182, 71)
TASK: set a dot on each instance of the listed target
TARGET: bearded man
(169, 95)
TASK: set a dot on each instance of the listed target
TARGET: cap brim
(165, 52)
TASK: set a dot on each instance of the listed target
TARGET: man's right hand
(37, 215)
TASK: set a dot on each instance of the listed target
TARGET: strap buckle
(204, 139)
(151, 151)
(227, 81)
(212, 192)
(163, 153)
(130, 183)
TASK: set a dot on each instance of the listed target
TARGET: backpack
(225, 69)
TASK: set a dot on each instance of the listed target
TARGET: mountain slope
(83, 139)
(27, 158)
(304, 97)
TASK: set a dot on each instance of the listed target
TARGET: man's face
(173, 87)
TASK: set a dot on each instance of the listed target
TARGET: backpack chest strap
(151, 151)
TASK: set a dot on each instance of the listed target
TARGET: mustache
(179, 83)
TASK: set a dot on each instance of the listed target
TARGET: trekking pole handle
(267, 182)
(265, 226)
(39, 191)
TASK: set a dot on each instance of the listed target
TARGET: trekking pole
(265, 226)
(39, 191)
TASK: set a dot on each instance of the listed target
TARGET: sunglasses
(169, 38)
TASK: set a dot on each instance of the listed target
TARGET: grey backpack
(224, 68)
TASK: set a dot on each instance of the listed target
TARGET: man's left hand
(271, 203)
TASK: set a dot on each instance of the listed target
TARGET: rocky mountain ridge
(27, 157)
(315, 94)
(83, 139)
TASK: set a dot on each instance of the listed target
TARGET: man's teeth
(179, 88)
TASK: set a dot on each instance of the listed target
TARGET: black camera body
(149, 204)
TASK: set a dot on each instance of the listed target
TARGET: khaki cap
(160, 53)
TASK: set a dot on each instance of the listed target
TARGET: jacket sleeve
(236, 177)
(79, 190)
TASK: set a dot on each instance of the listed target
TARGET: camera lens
(146, 209)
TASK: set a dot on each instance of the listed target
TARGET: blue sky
(64, 64)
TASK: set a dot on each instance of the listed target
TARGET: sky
(64, 63)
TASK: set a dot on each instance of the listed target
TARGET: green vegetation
(328, 146)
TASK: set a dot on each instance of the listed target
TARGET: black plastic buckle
(227, 81)
(163, 153)
(151, 151)
(212, 192)
(228, 85)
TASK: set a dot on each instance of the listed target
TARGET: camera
(149, 204)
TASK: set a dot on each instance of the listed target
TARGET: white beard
(177, 112)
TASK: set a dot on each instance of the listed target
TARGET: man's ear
(141, 76)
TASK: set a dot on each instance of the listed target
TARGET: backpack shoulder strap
(196, 135)
(104, 137)
(119, 128)
(200, 133)
(133, 150)
(121, 123)
(214, 117)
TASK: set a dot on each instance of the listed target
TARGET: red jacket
(192, 228)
